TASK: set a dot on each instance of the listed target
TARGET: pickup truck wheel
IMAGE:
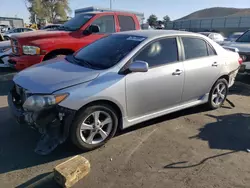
(94, 126)
(53, 56)
(218, 94)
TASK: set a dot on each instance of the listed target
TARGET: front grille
(246, 55)
(15, 46)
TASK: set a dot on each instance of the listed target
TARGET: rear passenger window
(126, 23)
(159, 53)
(194, 48)
(105, 23)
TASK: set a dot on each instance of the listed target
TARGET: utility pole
(110, 4)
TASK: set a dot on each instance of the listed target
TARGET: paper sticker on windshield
(88, 16)
(136, 38)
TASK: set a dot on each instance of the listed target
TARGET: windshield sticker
(88, 16)
(136, 38)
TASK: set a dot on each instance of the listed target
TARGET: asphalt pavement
(192, 148)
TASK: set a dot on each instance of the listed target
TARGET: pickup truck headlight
(39, 102)
(31, 50)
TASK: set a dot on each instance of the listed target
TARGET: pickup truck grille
(15, 46)
(245, 56)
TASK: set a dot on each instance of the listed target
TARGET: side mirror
(92, 29)
(138, 66)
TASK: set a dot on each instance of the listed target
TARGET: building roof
(100, 9)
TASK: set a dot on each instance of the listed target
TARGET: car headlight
(31, 50)
(39, 102)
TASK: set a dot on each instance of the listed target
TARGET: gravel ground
(191, 148)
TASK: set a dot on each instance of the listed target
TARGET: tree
(166, 19)
(152, 20)
(50, 10)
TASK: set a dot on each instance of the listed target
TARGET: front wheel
(218, 94)
(94, 126)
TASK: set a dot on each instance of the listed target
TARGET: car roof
(156, 33)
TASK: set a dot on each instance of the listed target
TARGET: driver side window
(106, 24)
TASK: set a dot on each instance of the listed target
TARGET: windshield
(108, 51)
(245, 37)
(77, 22)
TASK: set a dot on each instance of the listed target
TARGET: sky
(174, 9)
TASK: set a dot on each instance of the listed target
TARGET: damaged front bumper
(53, 123)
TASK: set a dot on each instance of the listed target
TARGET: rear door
(201, 65)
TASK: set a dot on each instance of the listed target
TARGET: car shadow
(45, 180)
(228, 132)
(17, 144)
(6, 83)
(240, 88)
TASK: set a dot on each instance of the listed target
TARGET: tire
(217, 102)
(53, 56)
(81, 139)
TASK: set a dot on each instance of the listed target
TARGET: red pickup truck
(37, 46)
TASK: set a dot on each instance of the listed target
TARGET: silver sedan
(119, 81)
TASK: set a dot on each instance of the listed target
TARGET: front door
(202, 67)
(160, 87)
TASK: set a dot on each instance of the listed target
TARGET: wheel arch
(63, 51)
(114, 105)
(225, 76)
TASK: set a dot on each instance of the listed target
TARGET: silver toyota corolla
(119, 81)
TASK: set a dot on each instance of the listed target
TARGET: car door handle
(215, 64)
(177, 72)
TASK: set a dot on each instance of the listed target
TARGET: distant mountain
(217, 12)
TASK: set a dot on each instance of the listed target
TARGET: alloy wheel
(96, 127)
(219, 94)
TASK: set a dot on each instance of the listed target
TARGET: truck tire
(218, 94)
(94, 126)
(52, 56)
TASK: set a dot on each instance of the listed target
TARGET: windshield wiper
(82, 61)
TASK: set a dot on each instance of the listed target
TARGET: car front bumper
(53, 123)
(24, 61)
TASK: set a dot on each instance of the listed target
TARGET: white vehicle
(242, 44)
(217, 37)
(8, 34)
(5, 50)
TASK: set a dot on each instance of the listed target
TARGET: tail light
(240, 60)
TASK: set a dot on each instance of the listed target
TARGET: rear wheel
(94, 126)
(218, 94)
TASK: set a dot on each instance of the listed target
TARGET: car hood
(39, 34)
(54, 75)
(242, 47)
